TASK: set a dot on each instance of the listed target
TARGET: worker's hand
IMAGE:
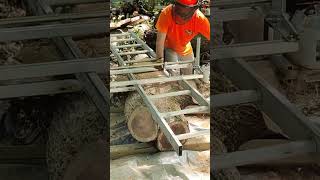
(159, 61)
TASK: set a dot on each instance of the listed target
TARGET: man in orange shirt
(177, 25)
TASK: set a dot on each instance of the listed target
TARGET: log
(178, 124)
(178, 127)
(128, 21)
(141, 125)
(139, 120)
(119, 151)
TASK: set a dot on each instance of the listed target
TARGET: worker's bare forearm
(161, 37)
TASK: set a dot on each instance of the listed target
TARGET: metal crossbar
(134, 84)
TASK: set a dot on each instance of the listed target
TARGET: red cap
(188, 2)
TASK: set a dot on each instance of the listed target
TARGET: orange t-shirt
(179, 36)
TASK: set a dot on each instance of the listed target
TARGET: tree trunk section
(139, 119)
(141, 124)
(178, 127)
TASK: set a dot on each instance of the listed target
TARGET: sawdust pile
(76, 123)
(227, 174)
(232, 125)
(9, 50)
(93, 47)
(307, 100)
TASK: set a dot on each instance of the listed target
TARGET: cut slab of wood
(178, 127)
(141, 125)
(139, 120)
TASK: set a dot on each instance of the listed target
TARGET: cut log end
(178, 127)
(141, 125)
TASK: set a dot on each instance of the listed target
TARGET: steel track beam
(150, 65)
(40, 88)
(73, 2)
(19, 21)
(135, 70)
(51, 31)
(253, 156)
(238, 97)
(224, 3)
(254, 49)
(234, 14)
(154, 80)
(22, 71)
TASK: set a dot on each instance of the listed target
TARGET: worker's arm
(162, 26)
(204, 26)
(161, 37)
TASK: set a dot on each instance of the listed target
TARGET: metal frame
(73, 2)
(19, 21)
(122, 86)
(228, 3)
(50, 31)
(16, 80)
(305, 134)
(92, 84)
(255, 49)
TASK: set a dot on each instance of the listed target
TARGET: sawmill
(265, 99)
(54, 96)
(158, 119)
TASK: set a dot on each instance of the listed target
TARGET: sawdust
(93, 47)
(307, 101)
(236, 124)
(231, 126)
(76, 122)
(201, 121)
(9, 50)
(203, 88)
(11, 8)
(202, 163)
